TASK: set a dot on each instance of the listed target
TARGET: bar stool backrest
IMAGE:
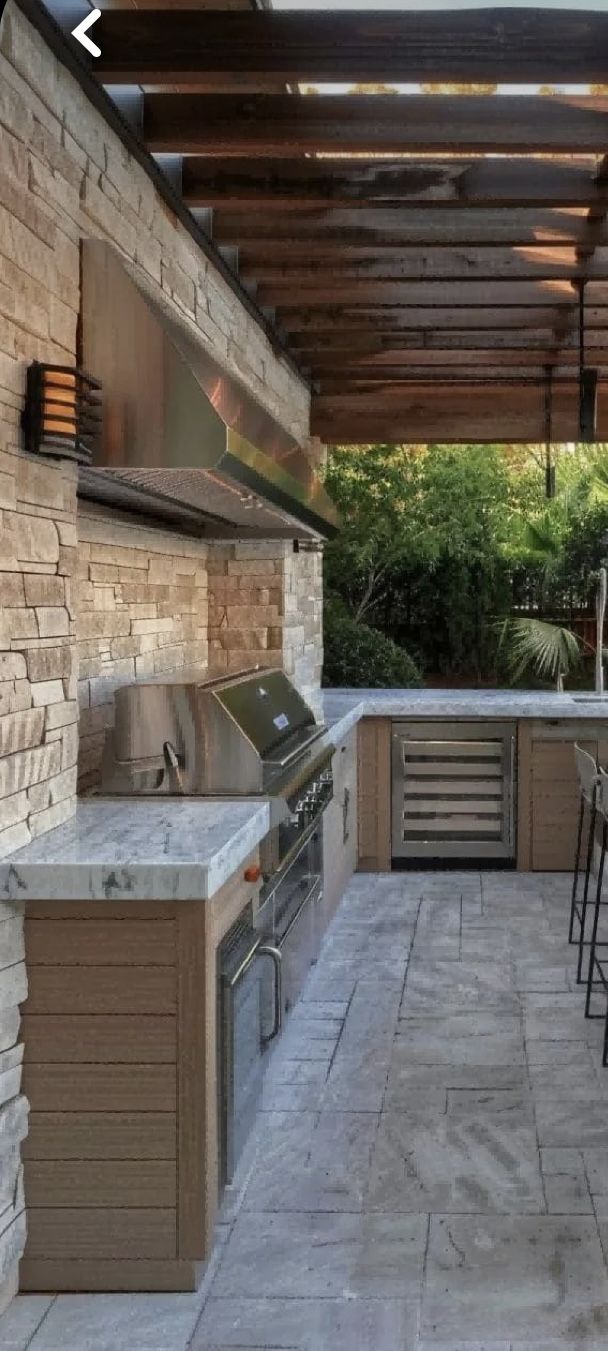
(587, 771)
(602, 795)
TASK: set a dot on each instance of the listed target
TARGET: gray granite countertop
(342, 709)
(125, 849)
(179, 849)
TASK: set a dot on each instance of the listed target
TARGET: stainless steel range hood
(182, 440)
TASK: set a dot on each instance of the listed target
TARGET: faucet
(600, 611)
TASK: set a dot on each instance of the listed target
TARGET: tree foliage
(358, 656)
(441, 544)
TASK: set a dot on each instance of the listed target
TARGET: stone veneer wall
(266, 608)
(38, 709)
(64, 175)
(38, 743)
(141, 608)
(303, 621)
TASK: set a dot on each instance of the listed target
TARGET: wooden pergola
(435, 263)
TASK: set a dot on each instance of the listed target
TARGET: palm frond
(535, 645)
(599, 481)
(543, 537)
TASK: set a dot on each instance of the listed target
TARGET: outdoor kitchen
(303, 982)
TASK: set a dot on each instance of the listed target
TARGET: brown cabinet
(374, 794)
(548, 790)
(121, 1162)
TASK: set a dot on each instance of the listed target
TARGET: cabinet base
(94, 1276)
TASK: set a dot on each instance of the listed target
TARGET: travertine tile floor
(430, 1170)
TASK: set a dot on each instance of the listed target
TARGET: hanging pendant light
(549, 463)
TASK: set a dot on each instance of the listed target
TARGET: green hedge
(358, 656)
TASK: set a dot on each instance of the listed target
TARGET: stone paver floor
(430, 1169)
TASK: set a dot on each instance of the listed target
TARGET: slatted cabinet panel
(374, 794)
(548, 791)
(100, 1027)
(120, 1069)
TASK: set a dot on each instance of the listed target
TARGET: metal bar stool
(597, 978)
(587, 770)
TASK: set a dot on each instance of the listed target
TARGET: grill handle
(268, 950)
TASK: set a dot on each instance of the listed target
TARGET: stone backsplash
(265, 608)
(150, 600)
(141, 608)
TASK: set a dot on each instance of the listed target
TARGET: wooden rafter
(227, 50)
(447, 412)
(290, 124)
(398, 227)
(372, 340)
(498, 294)
(268, 184)
(280, 262)
(478, 360)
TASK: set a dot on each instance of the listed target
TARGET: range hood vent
(182, 439)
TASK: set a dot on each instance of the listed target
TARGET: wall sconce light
(62, 414)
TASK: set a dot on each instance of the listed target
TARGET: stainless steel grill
(242, 735)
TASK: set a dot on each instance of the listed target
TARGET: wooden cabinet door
(549, 800)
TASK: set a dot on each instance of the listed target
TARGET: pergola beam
(383, 363)
(336, 383)
(415, 346)
(228, 50)
(302, 262)
(289, 124)
(448, 412)
(394, 319)
(271, 184)
(320, 294)
(398, 227)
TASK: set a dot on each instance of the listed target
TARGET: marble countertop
(180, 849)
(138, 849)
(342, 709)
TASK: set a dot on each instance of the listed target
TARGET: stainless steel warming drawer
(453, 790)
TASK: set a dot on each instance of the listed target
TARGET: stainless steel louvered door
(453, 790)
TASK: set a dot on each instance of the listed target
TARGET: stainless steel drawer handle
(268, 950)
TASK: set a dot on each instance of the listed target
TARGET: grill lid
(270, 712)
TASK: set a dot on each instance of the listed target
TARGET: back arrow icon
(80, 32)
